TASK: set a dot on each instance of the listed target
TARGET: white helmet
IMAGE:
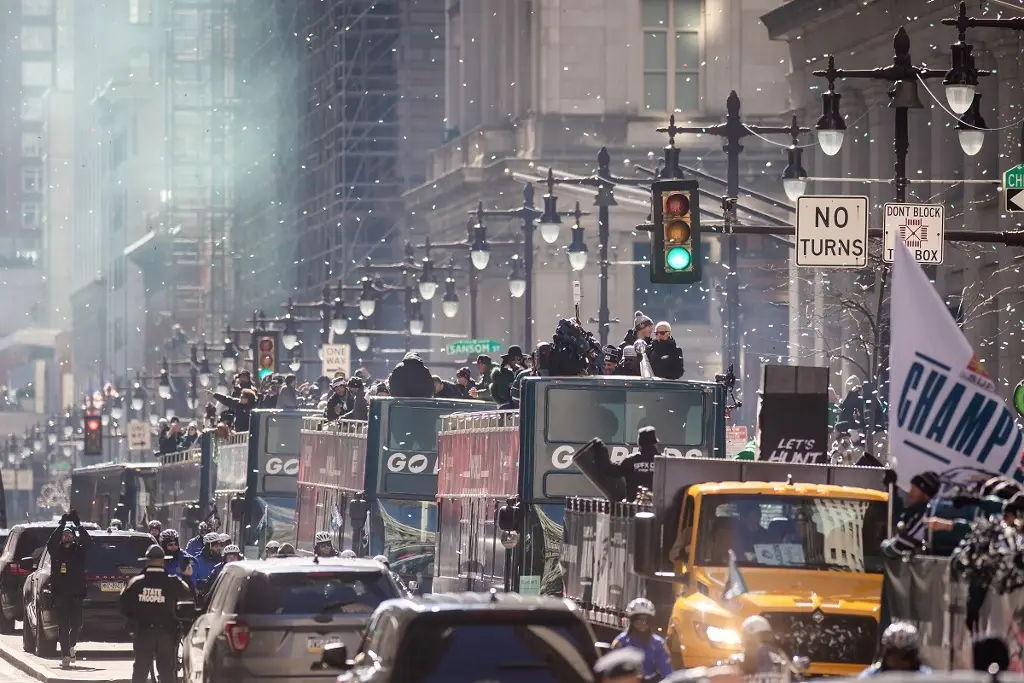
(640, 607)
(755, 626)
(211, 538)
(901, 635)
(322, 537)
(232, 550)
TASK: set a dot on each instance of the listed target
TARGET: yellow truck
(724, 540)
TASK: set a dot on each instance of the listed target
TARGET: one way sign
(1013, 189)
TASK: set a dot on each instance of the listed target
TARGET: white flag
(944, 411)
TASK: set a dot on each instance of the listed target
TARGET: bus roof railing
(233, 439)
(320, 425)
(195, 453)
(489, 421)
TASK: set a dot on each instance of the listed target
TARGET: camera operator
(68, 545)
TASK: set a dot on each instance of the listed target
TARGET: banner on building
(944, 408)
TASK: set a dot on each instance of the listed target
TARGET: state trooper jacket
(148, 600)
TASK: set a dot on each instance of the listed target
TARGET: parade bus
(107, 491)
(373, 482)
(524, 458)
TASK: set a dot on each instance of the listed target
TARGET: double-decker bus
(108, 491)
(373, 483)
(486, 459)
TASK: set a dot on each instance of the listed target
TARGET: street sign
(832, 231)
(735, 440)
(1013, 189)
(140, 436)
(337, 357)
(470, 347)
(920, 226)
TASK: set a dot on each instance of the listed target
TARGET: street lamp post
(549, 220)
(732, 131)
(830, 128)
(604, 182)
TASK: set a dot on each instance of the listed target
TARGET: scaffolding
(199, 80)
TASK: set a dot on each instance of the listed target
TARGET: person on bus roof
(638, 634)
(411, 378)
(638, 470)
(323, 546)
(913, 520)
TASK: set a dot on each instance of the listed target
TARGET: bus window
(615, 415)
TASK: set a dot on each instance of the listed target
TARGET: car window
(382, 636)
(313, 592)
(117, 555)
(32, 539)
(519, 652)
(220, 591)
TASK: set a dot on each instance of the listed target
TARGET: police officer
(271, 549)
(148, 603)
(232, 553)
(625, 665)
(207, 560)
(179, 562)
(348, 554)
(195, 544)
(155, 527)
(641, 636)
(323, 546)
(287, 550)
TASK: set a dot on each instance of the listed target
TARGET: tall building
(532, 85)
(154, 83)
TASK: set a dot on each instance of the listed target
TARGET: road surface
(109, 662)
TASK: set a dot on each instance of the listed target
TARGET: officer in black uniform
(148, 603)
(625, 665)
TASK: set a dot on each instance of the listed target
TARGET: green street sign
(1013, 189)
(470, 347)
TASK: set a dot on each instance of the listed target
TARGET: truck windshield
(801, 532)
(577, 415)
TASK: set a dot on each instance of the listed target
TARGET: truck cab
(725, 540)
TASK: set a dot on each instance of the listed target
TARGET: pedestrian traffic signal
(266, 356)
(93, 435)
(675, 238)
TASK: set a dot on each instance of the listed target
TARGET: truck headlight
(718, 636)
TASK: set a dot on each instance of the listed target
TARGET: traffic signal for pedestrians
(266, 355)
(675, 238)
(93, 435)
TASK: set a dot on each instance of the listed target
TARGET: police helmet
(168, 536)
(211, 538)
(383, 560)
(232, 550)
(347, 554)
(224, 538)
(204, 528)
(901, 635)
(755, 626)
(155, 524)
(640, 607)
(322, 537)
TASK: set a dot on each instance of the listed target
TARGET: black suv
(23, 540)
(467, 637)
(112, 559)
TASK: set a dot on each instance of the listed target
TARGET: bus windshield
(613, 414)
(415, 428)
(796, 532)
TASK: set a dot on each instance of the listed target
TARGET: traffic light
(675, 237)
(93, 435)
(266, 356)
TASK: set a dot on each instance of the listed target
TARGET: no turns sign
(832, 231)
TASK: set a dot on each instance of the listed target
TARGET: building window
(31, 145)
(31, 180)
(36, 74)
(689, 304)
(31, 216)
(672, 33)
(32, 108)
(36, 38)
(139, 11)
(36, 8)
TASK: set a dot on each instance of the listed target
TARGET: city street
(109, 662)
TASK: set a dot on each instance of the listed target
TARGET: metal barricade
(478, 454)
(597, 557)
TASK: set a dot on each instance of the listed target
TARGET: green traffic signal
(678, 258)
(264, 372)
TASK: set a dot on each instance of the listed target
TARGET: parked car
(469, 637)
(269, 621)
(111, 561)
(23, 540)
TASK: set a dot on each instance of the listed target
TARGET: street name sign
(1013, 189)
(832, 231)
(469, 347)
(337, 358)
(920, 226)
(139, 435)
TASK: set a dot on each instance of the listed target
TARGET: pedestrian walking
(148, 603)
(68, 546)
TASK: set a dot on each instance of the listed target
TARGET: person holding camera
(68, 546)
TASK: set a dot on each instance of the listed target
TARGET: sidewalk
(110, 662)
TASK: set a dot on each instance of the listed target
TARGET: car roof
(511, 602)
(300, 565)
(122, 533)
(51, 525)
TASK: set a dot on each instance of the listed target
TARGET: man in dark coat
(443, 389)
(68, 547)
(339, 401)
(411, 378)
(666, 357)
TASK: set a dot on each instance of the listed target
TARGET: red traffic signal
(93, 436)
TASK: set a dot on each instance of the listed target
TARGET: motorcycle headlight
(718, 636)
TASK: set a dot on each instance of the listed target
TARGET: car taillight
(237, 635)
(15, 570)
